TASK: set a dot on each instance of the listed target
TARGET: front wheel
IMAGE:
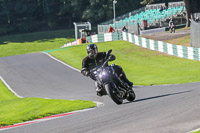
(113, 95)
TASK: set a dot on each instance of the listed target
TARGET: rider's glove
(85, 72)
(111, 57)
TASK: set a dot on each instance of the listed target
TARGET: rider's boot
(98, 90)
(99, 94)
(124, 78)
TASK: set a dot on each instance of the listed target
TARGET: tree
(192, 6)
(147, 2)
(33, 15)
(98, 11)
(101, 10)
(188, 12)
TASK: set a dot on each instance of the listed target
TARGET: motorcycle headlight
(102, 74)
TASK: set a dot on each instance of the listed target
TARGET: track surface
(157, 109)
(162, 36)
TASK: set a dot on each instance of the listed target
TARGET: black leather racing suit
(89, 64)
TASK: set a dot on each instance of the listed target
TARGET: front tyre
(116, 98)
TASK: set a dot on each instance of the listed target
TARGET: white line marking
(10, 88)
(61, 62)
(99, 104)
(196, 130)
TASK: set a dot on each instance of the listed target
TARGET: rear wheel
(131, 96)
(113, 95)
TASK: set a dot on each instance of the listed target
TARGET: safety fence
(97, 38)
(70, 44)
(171, 49)
(104, 37)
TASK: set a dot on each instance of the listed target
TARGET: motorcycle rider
(95, 59)
(171, 26)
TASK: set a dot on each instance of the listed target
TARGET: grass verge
(142, 66)
(34, 42)
(184, 41)
(16, 110)
(187, 28)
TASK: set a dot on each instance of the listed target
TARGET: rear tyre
(131, 96)
(116, 98)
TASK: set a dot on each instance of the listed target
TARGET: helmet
(92, 50)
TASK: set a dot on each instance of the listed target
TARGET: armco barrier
(171, 49)
(70, 44)
(104, 37)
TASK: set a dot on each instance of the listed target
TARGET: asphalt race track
(157, 109)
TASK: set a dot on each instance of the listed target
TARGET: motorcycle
(111, 84)
(172, 29)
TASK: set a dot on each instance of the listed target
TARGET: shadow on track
(150, 98)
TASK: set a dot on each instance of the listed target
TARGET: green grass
(16, 110)
(188, 28)
(34, 42)
(142, 66)
(184, 41)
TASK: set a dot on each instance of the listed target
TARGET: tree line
(36, 15)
